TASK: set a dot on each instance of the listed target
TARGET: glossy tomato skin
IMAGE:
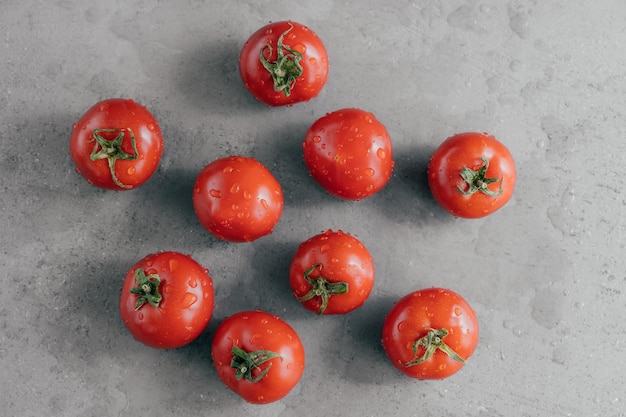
(314, 63)
(108, 119)
(337, 259)
(237, 199)
(411, 318)
(349, 153)
(254, 331)
(471, 150)
(185, 308)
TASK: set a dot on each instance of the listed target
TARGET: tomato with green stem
(332, 273)
(284, 63)
(349, 153)
(258, 355)
(237, 199)
(167, 300)
(430, 333)
(472, 175)
(117, 144)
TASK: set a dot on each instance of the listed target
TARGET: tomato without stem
(258, 356)
(284, 63)
(349, 153)
(332, 273)
(167, 300)
(237, 199)
(471, 175)
(117, 144)
(430, 333)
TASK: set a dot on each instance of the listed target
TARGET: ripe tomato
(258, 356)
(430, 334)
(117, 144)
(167, 300)
(283, 63)
(237, 199)
(348, 152)
(332, 273)
(471, 175)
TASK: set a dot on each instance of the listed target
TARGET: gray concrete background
(546, 274)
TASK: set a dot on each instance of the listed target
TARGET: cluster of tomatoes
(167, 298)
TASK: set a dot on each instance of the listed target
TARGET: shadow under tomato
(209, 78)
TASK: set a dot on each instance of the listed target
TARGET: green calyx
(321, 287)
(245, 362)
(476, 180)
(432, 342)
(147, 288)
(112, 150)
(287, 68)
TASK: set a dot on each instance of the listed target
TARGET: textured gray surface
(546, 275)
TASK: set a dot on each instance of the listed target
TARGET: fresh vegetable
(117, 144)
(349, 153)
(237, 199)
(284, 63)
(258, 356)
(332, 273)
(430, 334)
(471, 175)
(167, 300)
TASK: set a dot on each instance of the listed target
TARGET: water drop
(380, 153)
(457, 311)
(188, 300)
(215, 193)
(173, 264)
(130, 170)
(151, 126)
(193, 283)
(235, 188)
(264, 203)
(317, 139)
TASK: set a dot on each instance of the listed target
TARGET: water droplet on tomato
(334, 260)
(369, 172)
(193, 283)
(380, 153)
(457, 311)
(173, 264)
(255, 337)
(264, 321)
(167, 289)
(215, 193)
(324, 248)
(234, 188)
(189, 299)
(313, 61)
(402, 325)
(228, 170)
(130, 170)
(264, 203)
(140, 316)
(151, 126)
(317, 139)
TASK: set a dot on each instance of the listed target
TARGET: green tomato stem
(287, 68)
(432, 342)
(321, 287)
(112, 150)
(147, 288)
(477, 181)
(245, 362)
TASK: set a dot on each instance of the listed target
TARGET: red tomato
(258, 356)
(430, 334)
(237, 199)
(117, 144)
(471, 175)
(283, 63)
(167, 300)
(332, 273)
(348, 152)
